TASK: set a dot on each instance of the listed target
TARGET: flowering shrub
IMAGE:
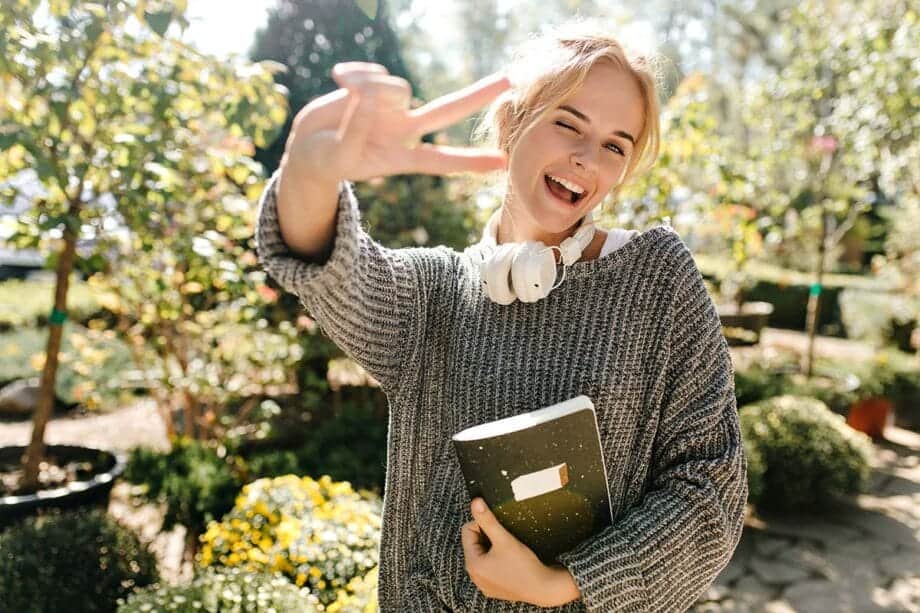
(224, 589)
(319, 533)
(360, 595)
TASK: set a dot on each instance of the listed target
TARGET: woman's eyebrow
(584, 118)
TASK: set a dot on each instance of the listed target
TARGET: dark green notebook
(542, 474)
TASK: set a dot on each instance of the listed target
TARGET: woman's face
(586, 141)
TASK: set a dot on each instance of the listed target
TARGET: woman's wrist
(560, 587)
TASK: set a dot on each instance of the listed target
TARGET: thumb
(483, 516)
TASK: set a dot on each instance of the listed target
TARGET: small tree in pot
(103, 106)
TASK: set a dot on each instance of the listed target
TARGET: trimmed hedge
(810, 456)
(76, 561)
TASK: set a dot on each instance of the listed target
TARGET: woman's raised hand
(366, 129)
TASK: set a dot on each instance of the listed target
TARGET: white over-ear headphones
(530, 265)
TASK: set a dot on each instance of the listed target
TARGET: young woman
(622, 318)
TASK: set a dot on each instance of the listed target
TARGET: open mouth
(561, 192)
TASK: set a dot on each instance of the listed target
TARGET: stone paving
(861, 556)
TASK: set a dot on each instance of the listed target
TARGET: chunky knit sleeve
(358, 296)
(663, 553)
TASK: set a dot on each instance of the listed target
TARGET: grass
(28, 303)
(92, 363)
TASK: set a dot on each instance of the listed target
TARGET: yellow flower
(282, 565)
(288, 531)
(300, 579)
(256, 555)
(316, 572)
(261, 508)
(265, 544)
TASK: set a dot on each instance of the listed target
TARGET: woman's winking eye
(616, 148)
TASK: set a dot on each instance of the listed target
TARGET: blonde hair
(550, 67)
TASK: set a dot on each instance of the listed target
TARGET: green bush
(217, 590)
(756, 383)
(77, 561)
(811, 456)
(836, 383)
(876, 317)
(197, 484)
(348, 446)
(838, 391)
(840, 382)
(755, 469)
(898, 376)
(319, 533)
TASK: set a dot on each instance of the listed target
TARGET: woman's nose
(585, 160)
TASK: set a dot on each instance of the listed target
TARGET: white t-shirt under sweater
(616, 238)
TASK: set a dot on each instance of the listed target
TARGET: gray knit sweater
(634, 330)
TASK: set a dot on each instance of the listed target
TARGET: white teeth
(566, 184)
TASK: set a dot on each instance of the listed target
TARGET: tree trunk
(190, 547)
(36, 449)
(814, 298)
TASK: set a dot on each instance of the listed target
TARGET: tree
(189, 295)
(309, 38)
(100, 101)
(837, 113)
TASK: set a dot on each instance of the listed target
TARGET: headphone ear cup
(533, 271)
(494, 271)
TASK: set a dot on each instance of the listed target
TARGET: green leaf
(159, 21)
(96, 9)
(9, 136)
(368, 7)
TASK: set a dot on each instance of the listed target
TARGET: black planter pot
(93, 491)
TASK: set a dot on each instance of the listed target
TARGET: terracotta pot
(870, 415)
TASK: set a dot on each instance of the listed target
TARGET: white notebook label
(540, 482)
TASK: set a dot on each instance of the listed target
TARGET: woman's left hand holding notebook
(503, 567)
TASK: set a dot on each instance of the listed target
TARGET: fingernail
(479, 506)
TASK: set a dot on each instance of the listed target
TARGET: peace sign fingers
(442, 160)
(453, 107)
(391, 90)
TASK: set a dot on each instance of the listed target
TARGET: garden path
(859, 557)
